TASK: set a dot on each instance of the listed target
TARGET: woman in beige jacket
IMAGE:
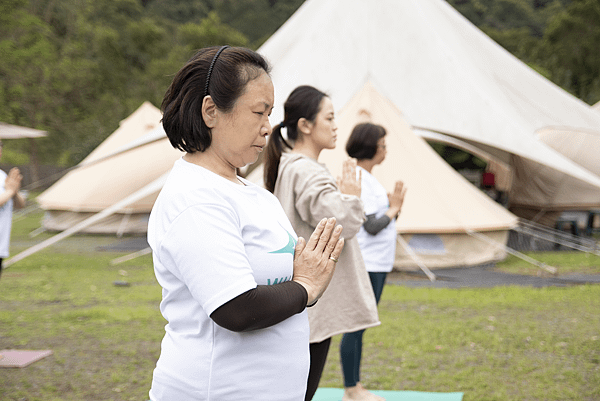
(308, 192)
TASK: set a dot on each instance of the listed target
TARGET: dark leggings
(318, 356)
(0, 267)
(351, 344)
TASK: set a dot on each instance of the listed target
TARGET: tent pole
(550, 269)
(123, 225)
(414, 257)
(131, 256)
(140, 194)
(558, 241)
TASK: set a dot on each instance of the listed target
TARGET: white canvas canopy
(9, 131)
(583, 147)
(441, 207)
(101, 182)
(579, 145)
(442, 72)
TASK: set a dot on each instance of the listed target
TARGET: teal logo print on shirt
(289, 248)
(278, 280)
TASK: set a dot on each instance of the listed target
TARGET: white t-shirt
(379, 250)
(213, 240)
(5, 220)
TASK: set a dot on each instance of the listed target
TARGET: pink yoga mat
(12, 358)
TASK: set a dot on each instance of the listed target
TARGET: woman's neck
(307, 148)
(367, 164)
(209, 161)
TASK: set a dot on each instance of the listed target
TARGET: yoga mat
(12, 358)
(335, 394)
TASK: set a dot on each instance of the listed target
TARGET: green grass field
(504, 343)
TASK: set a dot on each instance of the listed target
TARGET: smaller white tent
(107, 176)
(583, 147)
(542, 183)
(441, 207)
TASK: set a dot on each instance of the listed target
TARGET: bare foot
(359, 393)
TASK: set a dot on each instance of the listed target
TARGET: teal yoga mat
(335, 394)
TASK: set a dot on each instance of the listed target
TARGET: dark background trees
(75, 68)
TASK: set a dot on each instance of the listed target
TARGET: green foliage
(572, 39)
(12, 156)
(210, 32)
(258, 19)
(179, 11)
(76, 68)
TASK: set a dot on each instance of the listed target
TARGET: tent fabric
(97, 186)
(502, 171)
(118, 223)
(9, 131)
(541, 183)
(152, 188)
(453, 250)
(433, 64)
(143, 120)
(439, 199)
(440, 205)
(581, 147)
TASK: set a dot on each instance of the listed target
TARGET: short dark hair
(362, 143)
(182, 104)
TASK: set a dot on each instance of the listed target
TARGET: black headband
(212, 64)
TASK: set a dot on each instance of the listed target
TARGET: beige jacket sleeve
(317, 196)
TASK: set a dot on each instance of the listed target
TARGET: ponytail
(303, 102)
(275, 149)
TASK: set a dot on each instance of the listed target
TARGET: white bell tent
(445, 75)
(441, 209)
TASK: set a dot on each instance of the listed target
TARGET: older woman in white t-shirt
(236, 279)
(377, 240)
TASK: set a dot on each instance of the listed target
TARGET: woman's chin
(247, 161)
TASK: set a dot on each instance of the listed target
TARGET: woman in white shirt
(377, 240)
(9, 198)
(236, 279)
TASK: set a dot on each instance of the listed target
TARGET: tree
(27, 54)
(179, 11)
(258, 19)
(572, 42)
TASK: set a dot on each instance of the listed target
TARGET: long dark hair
(303, 102)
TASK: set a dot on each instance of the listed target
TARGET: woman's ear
(209, 111)
(305, 126)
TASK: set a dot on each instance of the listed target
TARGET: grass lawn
(504, 343)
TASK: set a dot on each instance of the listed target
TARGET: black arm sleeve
(261, 307)
(374, 225)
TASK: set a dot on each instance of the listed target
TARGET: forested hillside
(75, 68)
